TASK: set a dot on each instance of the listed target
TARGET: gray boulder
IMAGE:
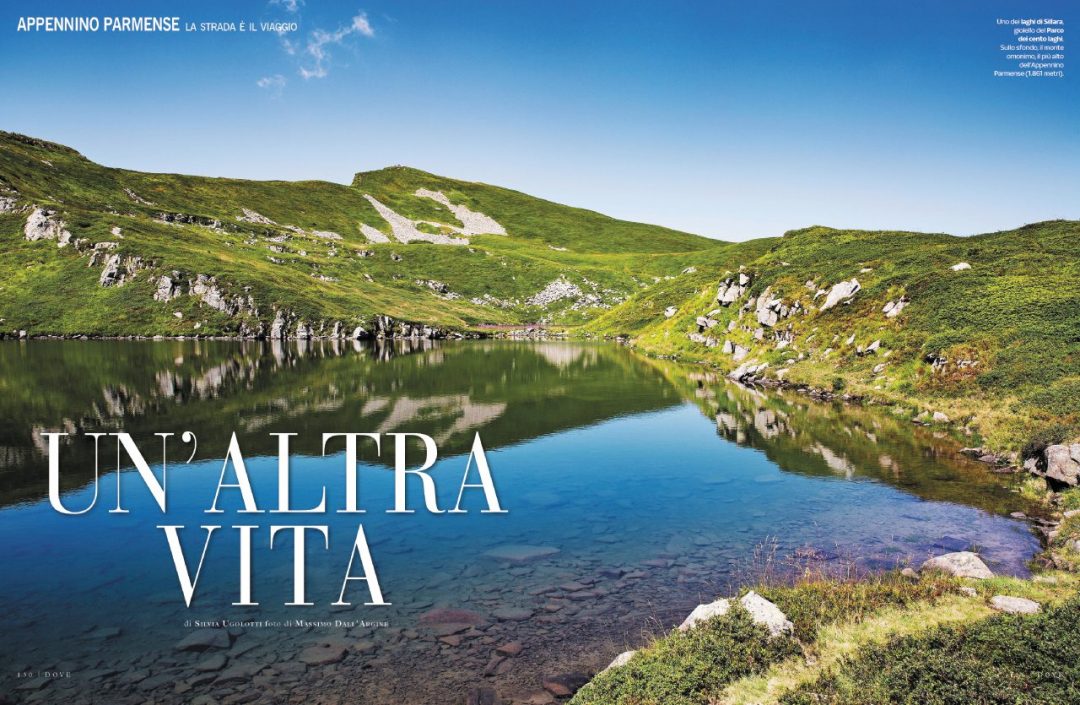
(620, 660)
(1063, 463)
(962, 564)
(1014, 605)
(766, 614)
(701, 613)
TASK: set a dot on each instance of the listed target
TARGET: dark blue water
(642, 495)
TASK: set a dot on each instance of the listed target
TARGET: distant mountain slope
(984, 329)
(88, 249)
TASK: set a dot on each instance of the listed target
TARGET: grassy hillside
(298, 246)
(994, 345)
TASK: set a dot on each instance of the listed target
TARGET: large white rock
(44, 224)
(703, 612)
(960, 266)
(962, 564)
(841, 292)
(1014, 605)
(766, 614)
(620, 660)
(761, 611)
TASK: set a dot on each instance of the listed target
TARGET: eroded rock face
(962, 564)
(45, 224)
(119, 269)
(168, 287)
(279, 329)
(770, 309)
(187, 219)
(207, 289)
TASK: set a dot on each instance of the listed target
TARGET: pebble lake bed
(635, 489)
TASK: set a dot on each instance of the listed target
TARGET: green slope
(1005, 333)
(286, 264)
(994, 347)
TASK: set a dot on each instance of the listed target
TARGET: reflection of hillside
(808, 437)
(509, 391)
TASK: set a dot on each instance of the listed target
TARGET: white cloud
(289, 5)
(275, 84)
(318, 44)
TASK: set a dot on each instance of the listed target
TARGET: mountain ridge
(983, 330)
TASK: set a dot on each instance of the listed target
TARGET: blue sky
(732, 120)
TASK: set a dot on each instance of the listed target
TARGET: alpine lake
(634, 489)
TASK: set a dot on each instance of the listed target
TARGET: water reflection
(512, 392)
(636, 489)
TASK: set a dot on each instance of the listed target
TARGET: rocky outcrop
(279, 328)
(961, 564)
(137, 198)
(168, 287)
(250, 216)
(841, 292)
(119, 269)
(186, 219)
(559, 289)
(748, 372)
(9, 201)
(732, 289)
(702, 613)
(207, 289)
(387, 327)
(438, 287)
(45, 224)
(769, 309)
